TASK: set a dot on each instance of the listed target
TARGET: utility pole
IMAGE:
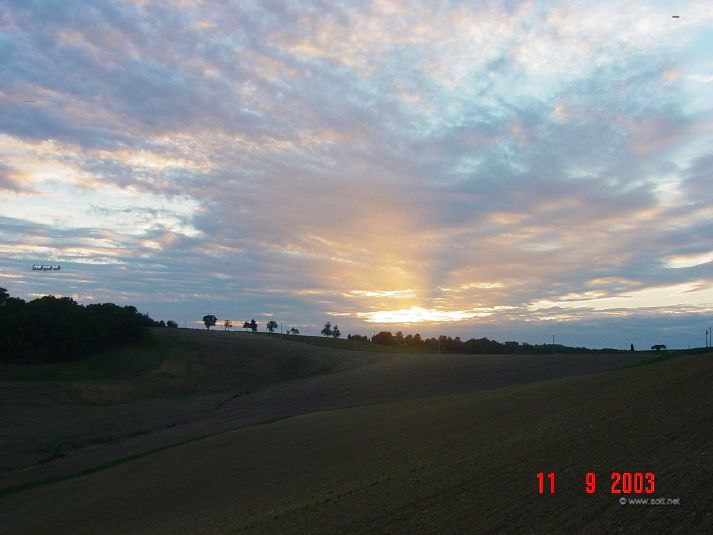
(553, 344)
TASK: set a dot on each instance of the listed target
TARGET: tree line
(52, 329)
(476, 346)
(209, 320)
(441, 343)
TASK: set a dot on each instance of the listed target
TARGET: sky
(510, 170)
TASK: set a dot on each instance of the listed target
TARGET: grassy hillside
(334, 440)
(175, 376)
(211, 359)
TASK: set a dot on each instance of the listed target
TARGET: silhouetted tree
(399, 338)
(362, 338)
(327, 331)
(227, 325)
(271, 325)
(171, 324)
(384, 338)
(485, 346)
(253, 325)
(294, 331)
(442, 342)
(209, 320)
(511, 347)
(246, 325)
(336, 332)
(631, 348)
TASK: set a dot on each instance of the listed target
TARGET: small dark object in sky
(675, 16)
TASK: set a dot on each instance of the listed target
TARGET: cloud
(685, 261)
(662, 297)
(12, 180)
(300, 159)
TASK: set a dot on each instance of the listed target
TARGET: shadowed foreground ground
(457, 463)
(182, 384)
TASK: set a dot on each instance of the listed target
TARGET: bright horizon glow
(417, 314)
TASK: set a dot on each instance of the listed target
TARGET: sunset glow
(419, 315)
